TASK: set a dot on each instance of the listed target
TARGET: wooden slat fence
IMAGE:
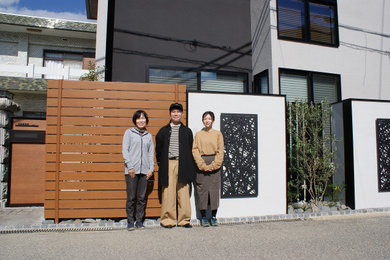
(85, 126)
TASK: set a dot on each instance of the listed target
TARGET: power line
(164, 38)
(178, 59)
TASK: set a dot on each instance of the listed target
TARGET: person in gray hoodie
(138, 153)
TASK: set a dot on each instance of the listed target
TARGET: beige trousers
(175, 194)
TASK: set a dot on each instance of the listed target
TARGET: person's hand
(132, 173)
(208, 169)
(149, 175)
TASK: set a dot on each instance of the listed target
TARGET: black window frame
(309, 77)
(198, 75)
(306, 32)
(257, 82)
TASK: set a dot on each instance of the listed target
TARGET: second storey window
(59, 60)
(307, 86)
(312, 21)
(218, 81)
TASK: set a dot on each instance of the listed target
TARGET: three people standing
(175, 154)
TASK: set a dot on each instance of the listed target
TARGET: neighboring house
(34, 49)
(308, 49)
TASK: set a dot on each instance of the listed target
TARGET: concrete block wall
(7, 109)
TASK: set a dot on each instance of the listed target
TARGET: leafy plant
(334, 191)
(95, 72)
(310, 151)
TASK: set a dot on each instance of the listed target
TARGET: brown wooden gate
(85, 126)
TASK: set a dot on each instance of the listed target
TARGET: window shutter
(324, 87)
(294, 86)
(212, 81)
(173, 77)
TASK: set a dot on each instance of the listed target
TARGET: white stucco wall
(271, 197)
(362, 59)
(101, 35)
(364, 115)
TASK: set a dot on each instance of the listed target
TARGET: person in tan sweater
(208, 152)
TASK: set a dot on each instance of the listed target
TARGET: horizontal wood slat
(91, 185)
(114, 112)
(96, 204)
(98, 167)
(85, 126)
(115, 94)
(141, 87)
(89, 176)
(101, 121)
(94, 194)
(84, 148)
(91, 103)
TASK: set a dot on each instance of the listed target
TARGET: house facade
(203, 44)
(34, 49)
(308, 50)
(311, 50)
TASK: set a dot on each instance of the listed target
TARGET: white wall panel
(271, 197)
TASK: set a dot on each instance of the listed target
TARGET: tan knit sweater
(208, 143)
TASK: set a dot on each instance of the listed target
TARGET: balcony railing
(33, 71)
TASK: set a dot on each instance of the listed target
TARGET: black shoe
(139, 225)
(188, 225)
(167, 226)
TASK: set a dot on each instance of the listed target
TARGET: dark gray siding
(223, 23)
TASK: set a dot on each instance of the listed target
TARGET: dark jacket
(186, 161)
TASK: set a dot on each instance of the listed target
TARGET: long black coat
(186, 161)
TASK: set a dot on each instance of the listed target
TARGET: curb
(149, 223)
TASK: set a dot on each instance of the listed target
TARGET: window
(260, 83)
(204, 80)
(309, 86)
(55, 59)
(312, 21)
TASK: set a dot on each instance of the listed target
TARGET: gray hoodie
(138, 151)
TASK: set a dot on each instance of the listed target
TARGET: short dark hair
(208, 113)
(177, 106)
(137, 114)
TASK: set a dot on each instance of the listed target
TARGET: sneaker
(214, 221)
(205, 222)
(130, 226)
(139, 225)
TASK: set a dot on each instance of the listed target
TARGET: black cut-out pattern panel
(383, 153)
(239, 176)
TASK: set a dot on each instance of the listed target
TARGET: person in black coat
(176, 169)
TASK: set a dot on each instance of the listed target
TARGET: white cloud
(44, 13)
(8, 2)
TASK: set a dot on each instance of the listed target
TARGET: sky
(63, 9)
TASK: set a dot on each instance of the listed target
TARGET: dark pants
(136, 188)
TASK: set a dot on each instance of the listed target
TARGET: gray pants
(136, 188)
